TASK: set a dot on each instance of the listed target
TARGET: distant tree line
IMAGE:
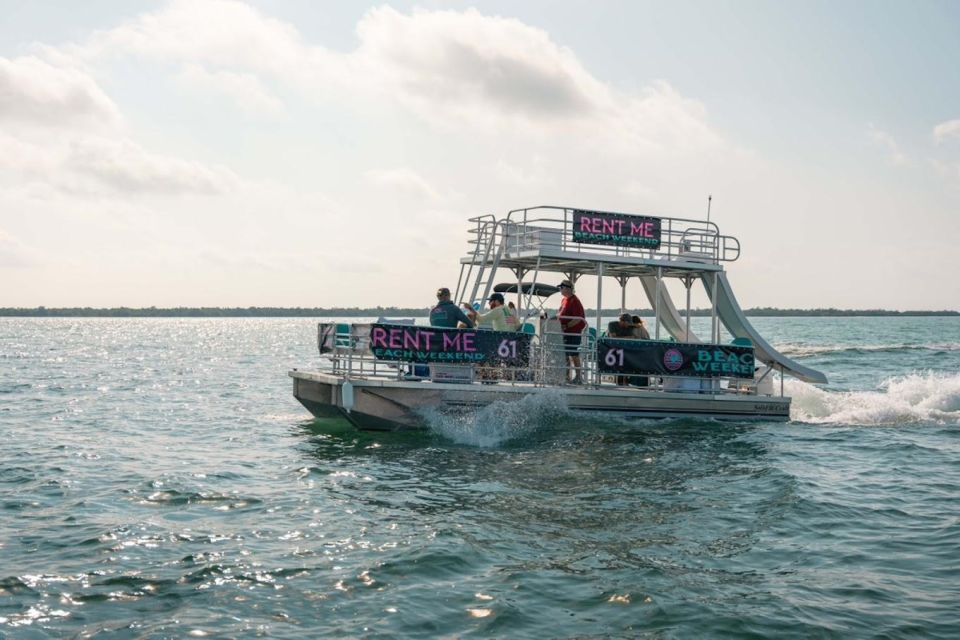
(395, 312)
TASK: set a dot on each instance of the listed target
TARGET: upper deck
(566, 239)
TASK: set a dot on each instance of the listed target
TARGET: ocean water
(158, 480)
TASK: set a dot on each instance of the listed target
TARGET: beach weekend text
(435, 344)
(594, 227)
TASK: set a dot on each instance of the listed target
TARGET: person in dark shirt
(622, 328)
(446, 314)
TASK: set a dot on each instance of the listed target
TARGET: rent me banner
(619, 229)
(435, 344)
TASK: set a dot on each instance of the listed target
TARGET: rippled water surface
(158, 480)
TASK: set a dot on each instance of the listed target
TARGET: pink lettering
(411, 340)
(396, 338)
(608, 226)
(468, 341)
(427, 339)
(451, 342)
(644, 229)
(378, 337)
(585, 224)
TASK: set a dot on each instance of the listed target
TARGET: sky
(303, 154)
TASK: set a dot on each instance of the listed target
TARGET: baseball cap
(625, 317)
(496, 296)
(442, 292)
(566, 283)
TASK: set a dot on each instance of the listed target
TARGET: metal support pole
(714, 328)
(656, 304)
(688, 281)
(520, 273)
(593, 347)
(623, 293)
(599, 295)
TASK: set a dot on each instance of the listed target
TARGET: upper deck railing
(551, 228)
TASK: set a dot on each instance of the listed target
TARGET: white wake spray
(500, 421)
(928, 397)
(810, 350)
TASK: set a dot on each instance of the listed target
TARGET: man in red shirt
(571, 316)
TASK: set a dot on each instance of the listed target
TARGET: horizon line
(275, 311)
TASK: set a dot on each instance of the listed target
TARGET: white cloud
(640, 191)
(125, 166)
(946, 130)
(245, 89)
(220, 33)
(451, 68)
(34, 91)
(887, 142)
(404, 181)
(464, 68)
(96, 165)
(14, 253)
(949, 170)
(60, 129)
(468, 61)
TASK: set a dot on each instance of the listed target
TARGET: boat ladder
(487, 251)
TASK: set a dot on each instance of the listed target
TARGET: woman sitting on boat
(640, 328)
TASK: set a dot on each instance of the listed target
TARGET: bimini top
(539, 289)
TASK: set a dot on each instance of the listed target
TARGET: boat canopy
(539, 289)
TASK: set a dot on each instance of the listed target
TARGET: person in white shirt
(496, 317)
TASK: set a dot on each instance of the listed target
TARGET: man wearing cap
(571, 316)
(622, 328)
(497, 317)
(446, 314)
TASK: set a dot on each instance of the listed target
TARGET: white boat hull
(396, 404)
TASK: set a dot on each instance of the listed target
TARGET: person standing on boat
(446, 314)
(572, 321)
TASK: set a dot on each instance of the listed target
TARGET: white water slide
(732, 317)
(670, 318)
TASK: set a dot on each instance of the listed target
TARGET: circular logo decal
(672, 359)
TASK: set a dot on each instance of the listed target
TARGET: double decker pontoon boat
(387, 375)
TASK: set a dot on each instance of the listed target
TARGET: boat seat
(342, 335)
(528, 328)
(742, 342)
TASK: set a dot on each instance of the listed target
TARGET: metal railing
(346, 353)
(551, 227)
